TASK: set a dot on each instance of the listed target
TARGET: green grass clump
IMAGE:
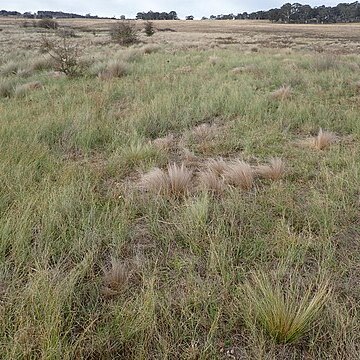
(285, 315)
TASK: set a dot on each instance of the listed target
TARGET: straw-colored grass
(283, 93)
(275, 170)
(324, 139)
(240, 174)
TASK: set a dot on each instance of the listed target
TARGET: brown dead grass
(115, 278)
(324, 139)
(283, 93)
(239, 174)
(274, 171)
(211, 182)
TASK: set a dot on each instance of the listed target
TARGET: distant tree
(149, 28)
(189, 17)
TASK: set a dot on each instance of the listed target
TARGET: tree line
(298, 13)
(288, 13)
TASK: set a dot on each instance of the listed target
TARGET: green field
(176, 200)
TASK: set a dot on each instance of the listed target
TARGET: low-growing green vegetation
(179, 203)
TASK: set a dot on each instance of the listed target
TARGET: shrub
(48, 24)
(285, 315)
(149, 28)
(64, 54)
(124, 33)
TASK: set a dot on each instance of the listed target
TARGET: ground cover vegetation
(192, 196)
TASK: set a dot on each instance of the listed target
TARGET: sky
(129, 8)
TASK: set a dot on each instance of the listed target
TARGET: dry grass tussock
(115, 278)
(283, 93)
(175, 181)
(274, 171)
(165, 143)
(240, 174)
(151, 48)
(213, 60)
(211, 182)
(184, 69)
(285, 315)
(324, 139)
(22, 90)
(218, 166)
(6, 89)
(115, 69)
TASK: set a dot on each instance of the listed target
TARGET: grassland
(176, 200)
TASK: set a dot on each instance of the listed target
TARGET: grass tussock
(115, 69)
(155, 181)
(285, 315)
(115, 278)
(218, 166)
(6, 89)
(275, 170)
(151, 48)
(240, 174)
(175, 181)
(324, 139)
(164, 143)
(211, 182)
(281, 94)
(214, 60)
(22, 90)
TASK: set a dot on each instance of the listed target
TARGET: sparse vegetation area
(183, 198)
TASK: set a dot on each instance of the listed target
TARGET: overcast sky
(129, 8)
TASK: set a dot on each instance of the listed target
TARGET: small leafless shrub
(64, 54)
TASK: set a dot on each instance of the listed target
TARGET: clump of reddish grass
(211, 182)
(283, 93)
(239, 174)
(179, 178)
(274, 171)
(175, 181)
(218, 166)
(155, 181)
(115, 278)
(164, 143)
(324, 139)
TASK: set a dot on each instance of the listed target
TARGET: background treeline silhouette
(288, 13)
